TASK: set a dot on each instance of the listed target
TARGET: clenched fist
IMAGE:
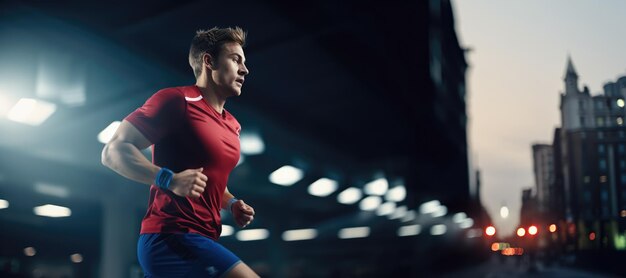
(242, 213)
(189, 183)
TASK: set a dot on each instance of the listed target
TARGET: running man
(195, 146)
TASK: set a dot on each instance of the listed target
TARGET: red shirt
(187, 133)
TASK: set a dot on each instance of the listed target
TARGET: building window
(604, 195)
(621, 134)
(602, 179)
(582, 121)
(600, 121)
(600, 148)
(581, 105)
(586, 179)
(600, 135)
(623, 178)
(622, 164)
(587, 197)
(621, 148)
(599, 104)
(602, 164)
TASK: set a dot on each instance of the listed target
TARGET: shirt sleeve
(160, 115)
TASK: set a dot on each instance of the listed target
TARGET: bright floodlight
(254, 234)
(439, 229)
(301, 234)
(349, 196)
(286, 175)
(4, 204)
(227, 230)
(459, 217)
(386, 209)
(52, 190)
(440, 212)
(31, 111)
(409, 216)
(251, 143)
(322, 187)
(504, 212)
(52, 211)
(399, 212)
(30, 251)
(76, 258)
(410, 230)
(429, 207)
(370, 203)
(620, 102)
(467, 223)
(356, 232)
(377, 187)
(396, 194)
(106, 134)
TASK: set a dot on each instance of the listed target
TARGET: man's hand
(189, 183)
(242, 213)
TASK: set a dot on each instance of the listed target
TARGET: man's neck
(210, 95)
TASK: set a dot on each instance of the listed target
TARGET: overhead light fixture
(251, 143)
(51, 190)
(386, 209)
(4, 204)
(467, 223)
(429, 207)
(30, 251)
(227, 230)
(76, 258)
(349, 196)
(399, 212)
(31, 111)
(300, 234)
(396, 194)
(52, 211)
(438, 230)
(356, 232)
(370, 203)
(286, 175)
(253, 234)
(440, 212)
(322, 187)
(410, 230)
(106, 134)
(376, 187)
(459, 217)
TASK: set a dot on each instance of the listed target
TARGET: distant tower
(576, 105)
(571, 78)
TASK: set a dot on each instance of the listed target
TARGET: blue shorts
(183, 255)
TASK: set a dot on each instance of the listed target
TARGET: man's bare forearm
(128, 161)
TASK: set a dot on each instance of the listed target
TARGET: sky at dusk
(517, 62)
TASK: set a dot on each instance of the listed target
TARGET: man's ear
(208, 61)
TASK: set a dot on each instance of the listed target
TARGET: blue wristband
(163, 178)
(230, 204)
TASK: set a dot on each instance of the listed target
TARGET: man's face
(230, 69)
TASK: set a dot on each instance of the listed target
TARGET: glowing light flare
(532, 230)
(31, 111)
(592, 236)
(227, 230)
(552, 228)
(286, 175)
(323, 187)
(349, 196)
(521, 232)
(490, 231)
(495, 247)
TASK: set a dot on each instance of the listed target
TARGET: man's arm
(123, 155)
(242, 212)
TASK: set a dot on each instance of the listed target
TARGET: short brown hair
(211, 41)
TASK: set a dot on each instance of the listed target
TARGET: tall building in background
(590, 165)
(543, 167)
